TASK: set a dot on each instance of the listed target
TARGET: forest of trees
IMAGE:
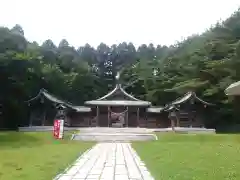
(205, 63)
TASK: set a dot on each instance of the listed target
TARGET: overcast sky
(113, 21)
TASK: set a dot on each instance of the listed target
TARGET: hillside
(205, 63)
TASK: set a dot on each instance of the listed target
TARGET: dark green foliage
(205, 63)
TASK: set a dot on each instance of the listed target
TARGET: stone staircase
(114, 134)
(115, 130)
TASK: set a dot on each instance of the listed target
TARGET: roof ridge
(185, 97)
(110, 93)
(189, 92)
(118, 87)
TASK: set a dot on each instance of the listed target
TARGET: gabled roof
(118, 89)
(45, 94)
(153, 109)
(108, 100)
(170, 108)
(118, 103)
(187, 97)
(82, 109)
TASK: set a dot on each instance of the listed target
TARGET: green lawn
(36, 156)
(188, 157)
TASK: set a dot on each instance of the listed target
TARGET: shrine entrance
(118, 116)
(117, 108)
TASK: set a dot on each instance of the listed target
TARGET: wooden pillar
(146, 119)
(138, 116)
(171, 116)
(178, 122)
(44, 118)
(31, 118)
(108, 116)
(172, 124)
(97, 120)
(127, 118)
(89, 119)
(191, 119)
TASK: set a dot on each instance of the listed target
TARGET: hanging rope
(118, 113)
(119, 116)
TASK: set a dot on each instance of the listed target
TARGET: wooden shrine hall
(118, 109)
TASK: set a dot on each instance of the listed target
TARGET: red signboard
(58, 129)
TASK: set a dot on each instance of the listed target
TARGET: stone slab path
(108, 161)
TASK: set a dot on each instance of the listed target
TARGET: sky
(113, 21)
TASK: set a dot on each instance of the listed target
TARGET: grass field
(192, 157)
(36, 156)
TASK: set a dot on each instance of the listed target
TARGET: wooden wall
(148, 120)
(158, 120)
(192, 119)
(76, 119)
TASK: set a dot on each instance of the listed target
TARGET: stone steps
(111, 130)
(115, 137)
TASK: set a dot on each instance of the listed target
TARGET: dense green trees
(205, 63)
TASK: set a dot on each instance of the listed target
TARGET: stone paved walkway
(108, 161)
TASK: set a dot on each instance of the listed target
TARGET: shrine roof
(155, 109)
(82, 109)
(189, 96)
(45, 94)
(126, 100)
(118, 103)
